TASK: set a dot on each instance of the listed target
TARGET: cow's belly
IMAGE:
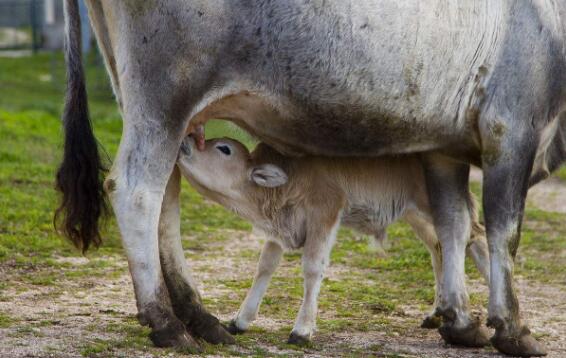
(362, 93)
(329, 130)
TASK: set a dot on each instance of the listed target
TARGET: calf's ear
(268, 175)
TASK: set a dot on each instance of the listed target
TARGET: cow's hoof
(298, 340)
(234, 329)
(174, 335)
(432, 322)
(524, 345)
(209, 328)
(474, 335)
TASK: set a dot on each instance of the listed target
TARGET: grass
(370, 296)
(5, 320)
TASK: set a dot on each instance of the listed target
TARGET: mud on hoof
(206, 326)
(524, 345)
(174, 335)
(298, 340)
(474, 335)
(234, 329)
(431, 322)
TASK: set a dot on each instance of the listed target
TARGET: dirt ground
(94, 310)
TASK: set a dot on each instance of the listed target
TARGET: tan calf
(301, 202)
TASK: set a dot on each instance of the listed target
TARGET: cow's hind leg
(506, 177)
(447, 183)
(136, 186)
(182, 289)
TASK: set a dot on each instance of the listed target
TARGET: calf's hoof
(432, 322)
(524, 345)
(298, 340)
(234, 329)
(174, 335)
(209, 328)
(474, 335)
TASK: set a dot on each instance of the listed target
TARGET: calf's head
(226, 172)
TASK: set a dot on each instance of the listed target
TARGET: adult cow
(466, 81)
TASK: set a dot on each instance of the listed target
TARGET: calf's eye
(224, 149)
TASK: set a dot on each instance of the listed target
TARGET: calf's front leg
(268, 263)
(316, 256)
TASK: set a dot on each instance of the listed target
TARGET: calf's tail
(80, 175)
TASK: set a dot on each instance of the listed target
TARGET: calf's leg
(424, 229)
(316, 256)
(447, 185)
(183, 291)
(379, 243)
(478, 250)
(268, 263)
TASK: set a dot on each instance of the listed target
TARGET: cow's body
(395, 76)
(469, 81)
(300, 202)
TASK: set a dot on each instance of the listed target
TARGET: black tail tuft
(80, 175)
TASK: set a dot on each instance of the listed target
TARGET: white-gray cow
(463, 81)
(301, 202)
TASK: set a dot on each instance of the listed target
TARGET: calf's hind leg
(184, 294)
(424, 229)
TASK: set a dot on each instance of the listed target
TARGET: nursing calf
(301, 202)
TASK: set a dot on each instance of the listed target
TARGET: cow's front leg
(447, 184)
(505, 189)
(183, 291)
(268, 263)
(316, 256)
(136, 186)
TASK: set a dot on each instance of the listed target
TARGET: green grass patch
(5, 320)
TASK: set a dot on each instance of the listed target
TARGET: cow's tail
(80, 176)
